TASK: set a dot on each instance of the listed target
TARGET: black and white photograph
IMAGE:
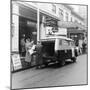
(49, 44)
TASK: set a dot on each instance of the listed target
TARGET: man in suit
(39, 60)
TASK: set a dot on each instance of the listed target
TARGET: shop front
(76, 34)
(24, 26)
(27, 29)
(74, 30)
(28, 23)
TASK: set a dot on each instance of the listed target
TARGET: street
(53, 75)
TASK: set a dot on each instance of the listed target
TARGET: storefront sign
(49, 31)
(62, 31)
(16, 61)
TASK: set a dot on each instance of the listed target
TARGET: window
(67, 17)
(54, 8)
(71, 19)
(80, 23)
(76, 21)
(61, 13)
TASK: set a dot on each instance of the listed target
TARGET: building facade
(38, 21)
(53, 16)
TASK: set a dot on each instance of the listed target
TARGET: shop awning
(63, 24)
(81, 26)
(75, 31)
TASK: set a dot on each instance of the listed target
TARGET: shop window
(53, 8)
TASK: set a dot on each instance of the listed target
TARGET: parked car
(58, 49)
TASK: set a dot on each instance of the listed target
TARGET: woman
(28, 46)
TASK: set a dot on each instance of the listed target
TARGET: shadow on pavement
(57, 65)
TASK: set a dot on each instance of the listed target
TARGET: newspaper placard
(16, 62)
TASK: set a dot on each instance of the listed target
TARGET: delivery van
(58, 49)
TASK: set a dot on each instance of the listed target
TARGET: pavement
(53, 75)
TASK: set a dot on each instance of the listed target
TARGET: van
(58, 49)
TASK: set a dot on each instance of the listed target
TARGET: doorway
(27, 29)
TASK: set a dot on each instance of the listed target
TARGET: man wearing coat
(39, 60)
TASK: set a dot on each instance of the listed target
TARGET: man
(39, 60)
(84, 47)
(80, 45)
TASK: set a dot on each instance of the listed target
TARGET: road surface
(53, 75)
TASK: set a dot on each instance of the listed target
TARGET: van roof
(60, 37)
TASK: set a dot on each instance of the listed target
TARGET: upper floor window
(76, 21)
(67, 16)
(61, 13)
(71, 19)
(53, 8)
(80, 23)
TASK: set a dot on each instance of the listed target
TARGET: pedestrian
(77, 47)
(32, 53)
(84, 47)
(39, 60)
(28, 46)
(80, 46)
(76, 43)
